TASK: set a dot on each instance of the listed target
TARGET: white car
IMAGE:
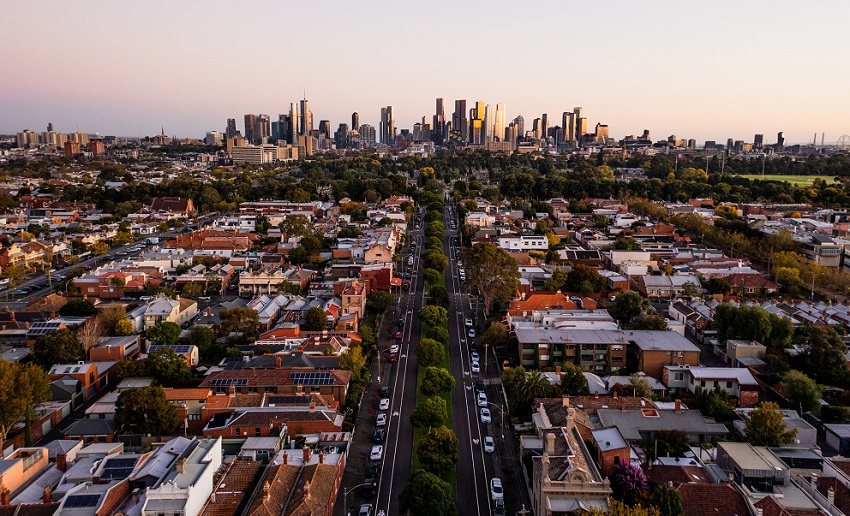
(476, 367)
(496, 492)
(471, 333)
(489, 444)
(468, 322)
(474, 356)
(482, 399)
(378, 452)
(381, 420)
(485, 415)
(394, 348)
(385, 404)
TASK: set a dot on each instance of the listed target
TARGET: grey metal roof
(631, 423)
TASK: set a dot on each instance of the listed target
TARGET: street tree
(425, 494)
(438, 296)
(429, 412)
(438, 451)
(492, 271)
(801, 391)
(432, 276)
(495, 335)
(433, 315)
(378, 302)
(766, 427)
(316, 319)
(429, 352)
(145, 411)
(438, 333)
(434, 259)
(436, 380)
(164, 334)
(22, 387)
(59, 347)
(353, 360)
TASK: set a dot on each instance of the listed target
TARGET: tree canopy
(59, 347)
(22, 387)
(765, 426)
(438, 451)
(145, 411)
(427, 495)
(316, 319)
(492, 271)
(429, 352)
(429, 412)
(436, 380)
(801, 391)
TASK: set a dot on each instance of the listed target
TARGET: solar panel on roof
(116, 473)
(81, 500)
(313, 378)
(120, 463)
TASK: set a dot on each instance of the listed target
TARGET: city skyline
(708, 72)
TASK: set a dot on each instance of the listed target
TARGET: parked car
(476, 367)
(381, 420)
(379, 435)
(385, 404)
(394, 348)
(400, 323)
(496, 492)
(373, 469)
(471, 333)
(485, 415)
(474, 356)
(378, 452)
(482, 399)
(499, 508)
(489, 444)
(366, 510)
(468, 322)
(479, 386)
(399, 335)
(385, 392)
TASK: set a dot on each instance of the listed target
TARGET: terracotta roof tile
(662, 474)
(771, 507)
(230, 490)
(199, 393)
(712, 500)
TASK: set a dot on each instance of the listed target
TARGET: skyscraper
(367, 136)
(519, 123)
(342, 136)
(252, 128)
(569, 125)
(438, 128)
(581, 127)
(488, 123)
(544, 126)
(263, 128)
(476, 124)
(460, 124)
(499, 122)
(306, 122)
(230, 132)
(325, 128)
(281, 130)
(758, 141)
(387, 128)
(355, 121)
(296, 123)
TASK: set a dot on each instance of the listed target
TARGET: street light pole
(502, 416)
(345, 496)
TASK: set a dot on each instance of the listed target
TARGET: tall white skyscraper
(488, 124)
(499, 123)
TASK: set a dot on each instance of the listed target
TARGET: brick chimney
(321, 457)
(285, 458)
(830, 496)
(62, 462)
(231, 391)
(5, 495)
(307, 495)
(52, 314)
(306, 454)
(181, 465)
(550, 444)
(615, 394)
(678, 405)
(565, 401)
(312, 407)
(45, 495)
(277, 362)
(299, 389)
(267, 492)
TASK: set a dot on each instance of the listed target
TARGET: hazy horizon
(710, 71)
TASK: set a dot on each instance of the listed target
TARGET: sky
(707, 70)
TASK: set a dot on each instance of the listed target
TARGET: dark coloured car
(479, 386)
(385, 392)
(400, 323)
(373, 469)
(370, 487)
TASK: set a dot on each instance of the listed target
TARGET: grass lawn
(797, 180)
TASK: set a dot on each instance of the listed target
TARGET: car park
(496, 492)
(377, 452)
(482, 399)
(485, 415)
(489, 444)
(381, 419)
(476, 367)
(384, 404)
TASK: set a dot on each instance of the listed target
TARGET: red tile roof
(713, 500)
(770, 507)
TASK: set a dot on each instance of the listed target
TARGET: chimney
(830, 496)
(321, 457)
(299, 389)
(52, 314)
(565, 401)
(285, 458)
(62, 462)
(678, 405)
(550, 444)
(312, 407)
(95, 480)
(231, 391)
(305, 454)
(267, 492)
(277, 362)
(181, 465)
(27, 324)
(623, 406)
(45, 495)
(12, 315)
(307, 495)
(545, 467)
(615, 394)
(759, 511)
(4, 495)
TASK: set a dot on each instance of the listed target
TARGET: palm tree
(535, 385)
